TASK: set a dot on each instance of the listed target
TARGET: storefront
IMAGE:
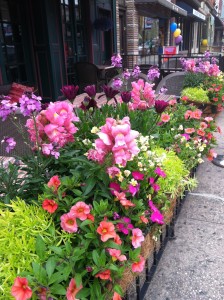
(42, 40)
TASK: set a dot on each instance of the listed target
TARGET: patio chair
(130, 80)
(173, 82)
(87, 74)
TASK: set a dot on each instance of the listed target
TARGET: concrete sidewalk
(192, 265)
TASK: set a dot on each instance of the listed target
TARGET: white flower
(133, 182)
(200, 160)
(127, 173)
(86, 142)
(95, 129)
(180, 127)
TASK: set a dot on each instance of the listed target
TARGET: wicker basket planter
(150, 247)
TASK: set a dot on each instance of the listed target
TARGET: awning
(168, 4)
(191, 12)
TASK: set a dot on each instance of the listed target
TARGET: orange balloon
(177, 32)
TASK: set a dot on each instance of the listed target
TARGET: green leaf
(90, 235)
(83, 293)
(58, 289)
(56, 277)
(78, 279)
(117, 288)
(90, 183)
(57, 250)
(95, 256)
(40, 247)
(50, 266)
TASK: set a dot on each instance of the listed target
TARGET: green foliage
(196, 94)
(192, 79)
(23, 230)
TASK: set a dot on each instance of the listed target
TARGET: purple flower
(154, 185)
(7, 108)
(116, 215)
(11, 143)
(160, 172)
(109, 91)
(89, 269)
(116, 61)
(126, 96)
(136, 71)
(126, 74)
(163, 90)
(88, 103)
(117, 83)
(153, 73)
(70, 91)
(29, 104)
(207, 54)
(90, 90)
(50, 149)
(160, 106)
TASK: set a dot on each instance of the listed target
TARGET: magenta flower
(133, 189)
(116, 61)
(187, 136)
(157, 217)
(125, 226)
(160, 172)
(90, 90)
(11, 143)
(114, 187)
(137, 175)
(154, 185)
(70, 91)
(160, 106)
(137, 237)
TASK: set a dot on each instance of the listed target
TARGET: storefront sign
(198, 14)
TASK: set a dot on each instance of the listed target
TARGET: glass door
(74, 34)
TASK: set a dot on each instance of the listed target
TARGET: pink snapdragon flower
(139, 265)
(142, 94)
(113, 171)
(118, 138)
(137, 237)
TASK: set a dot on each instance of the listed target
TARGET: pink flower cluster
(118, 138)
(142, 94)
(53, 128)
(79, 211)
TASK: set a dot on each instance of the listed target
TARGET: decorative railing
(163, 61)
